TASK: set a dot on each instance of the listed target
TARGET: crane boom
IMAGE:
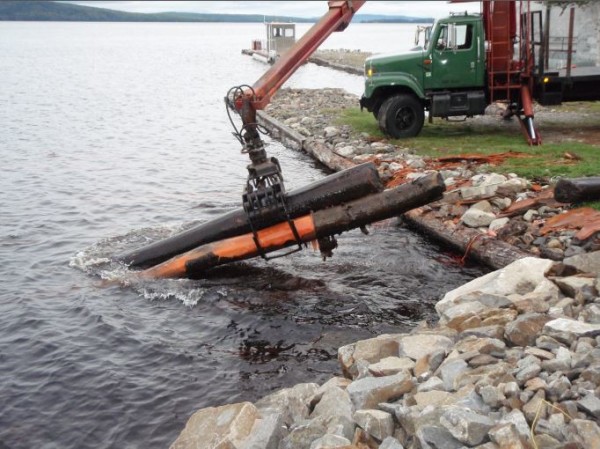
(264, 195)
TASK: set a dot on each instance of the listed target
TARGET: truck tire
(401, 116)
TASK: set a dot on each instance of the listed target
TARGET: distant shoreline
(51, 11)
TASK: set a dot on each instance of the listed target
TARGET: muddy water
(114, 136)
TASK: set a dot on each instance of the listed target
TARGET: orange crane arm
(336, 19)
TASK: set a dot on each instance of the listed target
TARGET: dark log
(577, 190)
(322, 223)
(469, 242)
(332, 190)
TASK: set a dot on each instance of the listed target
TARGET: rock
(368, 392)
(488, 179)
(266, 433)
(434, 397)
(432, 384)
(539, 353)
(376, 423)
(525, 329)
(494, 332)
(590, 404)
(391, 365)
(390, 443)
(501, 203)
(450, 371)
(482, 360)
(530, 215)
(530, 302)
(522, 276)
(432, 437)
(535, 407)
(330, 441)
(331, 131)
(577, 286)
(585, 263)
(517, 418)
(498, 223)
(290, 402)
(491, 395)
(528, 372)
(455, 316)
(303, 434)
(477, 218)
(345, 151)
(567, 330)
(506, 436)
(334, 402)
(590, 314)
(371, 350)
(492, 346)
(584, 432)
(466, 426)
(559, 388)
(419, 345)
(211, 427)
(544, 441)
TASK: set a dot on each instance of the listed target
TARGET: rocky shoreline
(514, 360)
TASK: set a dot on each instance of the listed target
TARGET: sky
(435, 9)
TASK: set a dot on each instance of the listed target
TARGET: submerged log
(577, 190)
(335, 189)
(320, 224)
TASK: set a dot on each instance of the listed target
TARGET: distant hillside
(32, 10)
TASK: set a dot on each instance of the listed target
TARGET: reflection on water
(115, 136)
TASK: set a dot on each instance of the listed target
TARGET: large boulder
(224, 427)
(371, 350)
(522, 276)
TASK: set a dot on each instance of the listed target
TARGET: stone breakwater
(514, 363)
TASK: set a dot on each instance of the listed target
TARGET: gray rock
(577, 286)
(377, 423)
(371, 350)
(591, 405)
(547, 343)
(585, 263)
(390, 443)
(330, 441)
(491, 395)
(498, 223)
(331, 131)
(559, 388)
(334, 401)
(391, 365)
(528, 372)
(370, 391)
(567, 330)
(290, 402)
(432, 384)
(535, 407)
(303, 433)
(522, 276)
(476, 218)
(345, 151)
(584, 432)
(466, 426)
(590, 314)
(450, 371)
(517, 418)
(432, 437)
(266, 433)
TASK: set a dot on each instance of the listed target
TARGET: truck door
(456, 58)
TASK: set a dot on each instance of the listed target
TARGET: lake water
(113, 136)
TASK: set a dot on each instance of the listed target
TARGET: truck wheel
(401, 116)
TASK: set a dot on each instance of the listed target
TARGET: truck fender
(397, 82)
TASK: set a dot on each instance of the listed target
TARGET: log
(472, 243)
(319, 224)
(332, 190)
(577, 190)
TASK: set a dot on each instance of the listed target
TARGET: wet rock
(370, 391)
(466, 426)
(525, 329)
(211, 427)
(376, 423)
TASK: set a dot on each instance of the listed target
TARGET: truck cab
(445, 77)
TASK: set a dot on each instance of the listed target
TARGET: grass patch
(443, 138)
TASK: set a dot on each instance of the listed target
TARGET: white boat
(280, 37)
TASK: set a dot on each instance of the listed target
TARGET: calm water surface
(113, 136)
